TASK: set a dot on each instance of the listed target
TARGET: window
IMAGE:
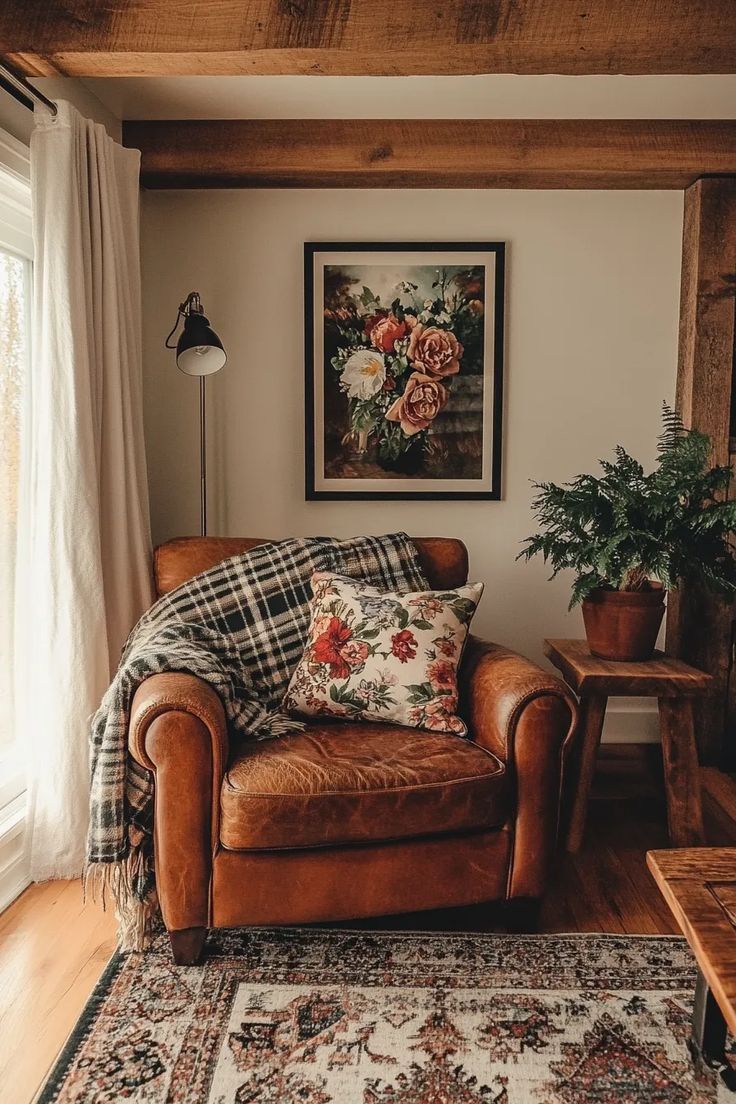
(16, 251)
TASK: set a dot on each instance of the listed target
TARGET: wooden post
(699, 626)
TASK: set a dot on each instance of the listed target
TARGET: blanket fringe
(279, 724)
(117, 879)
(137, 918)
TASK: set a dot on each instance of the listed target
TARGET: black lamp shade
(199, 351)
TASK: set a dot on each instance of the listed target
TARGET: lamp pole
(202, 457)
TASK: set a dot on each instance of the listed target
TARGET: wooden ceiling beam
(367, 37)
(390, 153)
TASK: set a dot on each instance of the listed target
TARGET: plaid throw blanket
(241, 627)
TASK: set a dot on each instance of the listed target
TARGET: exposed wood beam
(699, 626)
(371, 37)
(547, 153)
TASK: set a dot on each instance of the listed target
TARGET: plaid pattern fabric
(241, 627)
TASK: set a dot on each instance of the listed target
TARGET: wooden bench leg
(592, 712)
(681, 772)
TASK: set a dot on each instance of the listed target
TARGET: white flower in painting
(364, 374)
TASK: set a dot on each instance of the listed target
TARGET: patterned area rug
(314, 1016)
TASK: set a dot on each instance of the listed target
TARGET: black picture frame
(493, 491)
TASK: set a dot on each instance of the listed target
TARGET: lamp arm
(174, 328)
(191, 303)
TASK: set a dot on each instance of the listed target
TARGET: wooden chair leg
(187, 945)
(592, 713)
(681, 772)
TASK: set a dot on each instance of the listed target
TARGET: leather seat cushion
(356, 783)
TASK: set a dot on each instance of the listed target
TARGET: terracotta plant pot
(623, 624)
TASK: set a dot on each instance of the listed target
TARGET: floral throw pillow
(378, 656)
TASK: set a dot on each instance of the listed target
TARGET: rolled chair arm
(497, 685)
(178, 693)
(178, 731)
(527, 718)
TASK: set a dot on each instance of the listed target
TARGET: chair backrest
(444, 559)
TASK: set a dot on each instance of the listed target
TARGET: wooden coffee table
(674, 684)
(699, 885)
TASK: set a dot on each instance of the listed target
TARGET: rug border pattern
(48, 1092)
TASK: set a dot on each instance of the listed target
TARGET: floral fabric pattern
(383, 657)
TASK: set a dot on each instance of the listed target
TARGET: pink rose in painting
(435, 352)
(420, 404)
(384, 332)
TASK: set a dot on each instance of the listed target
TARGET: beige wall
(592, 304)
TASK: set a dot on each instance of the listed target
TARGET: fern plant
(625, 528)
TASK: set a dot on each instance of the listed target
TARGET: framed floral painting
(404, 370)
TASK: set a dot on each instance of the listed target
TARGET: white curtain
(84, 536)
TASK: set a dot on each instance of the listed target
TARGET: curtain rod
(22, 90)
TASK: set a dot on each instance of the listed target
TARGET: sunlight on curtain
(14, 289)
(84, 559)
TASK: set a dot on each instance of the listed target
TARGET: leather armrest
(527, 718)
(178, 731)
(179, 693)
(497, 685)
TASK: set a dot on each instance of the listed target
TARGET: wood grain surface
(698, 885)
(659, 677)
(699, 624)
(442, 153)
(371, 37)
(590, 728)
(674, 684)
(681, 777)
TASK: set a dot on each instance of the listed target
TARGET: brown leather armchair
(350, 820)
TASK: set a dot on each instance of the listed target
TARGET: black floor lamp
(199, 352)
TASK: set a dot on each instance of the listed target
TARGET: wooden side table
(700, 888)
(674, 684)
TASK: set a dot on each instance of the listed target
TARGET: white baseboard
(14, 854)
(12, 883)
(631, 721)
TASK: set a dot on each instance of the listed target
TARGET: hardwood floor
(606, 886)
(53, 947)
